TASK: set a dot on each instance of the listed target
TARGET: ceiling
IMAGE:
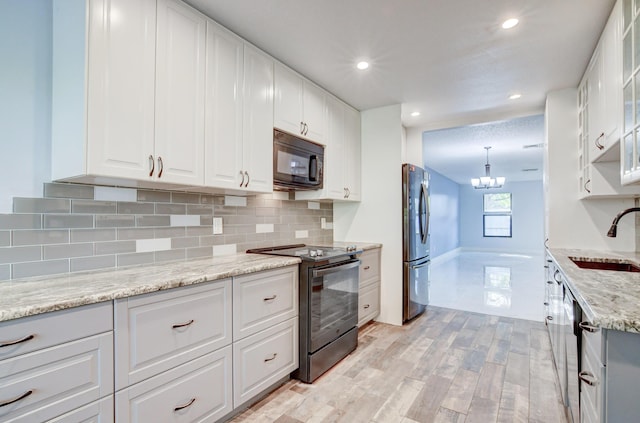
(449, 60)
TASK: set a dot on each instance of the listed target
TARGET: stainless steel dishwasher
(573, 341)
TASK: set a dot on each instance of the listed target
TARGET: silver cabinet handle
(588, 327)
(272, 358)
(366, 306)
(16, 399)
(549, 318)
(306, 129)
(161, 166)
(546, 303)
(348, 193)
(556, 279)
(600, 146)
(248, 179)
(585, 186)
(17, 341)
(181, 325)
(242, 182)
(152, 164)
(588, 378)
(182, 407)
(301, 128)
(273, 297)
(367, 267)
(550, 282)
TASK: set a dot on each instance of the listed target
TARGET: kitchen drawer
(368, 303)
(593, 340)
(264, 358)
(156, 332)
(49, 329)
(60, 379)
(200, 390)
(591, 394)
(263, 299)
(370, 266)
(97, 412)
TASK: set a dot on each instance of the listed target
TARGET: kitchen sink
(605, 265)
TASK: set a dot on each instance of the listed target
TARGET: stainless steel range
(328, 296)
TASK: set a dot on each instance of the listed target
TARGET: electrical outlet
(217, 225)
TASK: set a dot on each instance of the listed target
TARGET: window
(497, 215)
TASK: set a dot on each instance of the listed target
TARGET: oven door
(333, 302)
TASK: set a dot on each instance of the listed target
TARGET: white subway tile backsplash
(92, 207)
(35, 237)
(199, 252)
(89, 235)
(158, 244)
(92, 263)
(142, 221)
(5, 238)
(41, 205)
(115, 194)
(184, 220)
(51, 252)
(39, 268)
(114, 247)
(302, 234)
(68, 191)
(20, 221)
(115, 221)
(134, 259)
(126, 207)
(20, 254)
(313, 205)
(58, 221)
(262, 228)
(5, 272)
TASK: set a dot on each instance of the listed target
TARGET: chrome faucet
(613, 230)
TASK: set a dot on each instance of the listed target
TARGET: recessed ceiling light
(362, 65)
(414, 114)
(515, 96)
(510, 23)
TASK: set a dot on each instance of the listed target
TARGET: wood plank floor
(445, 366)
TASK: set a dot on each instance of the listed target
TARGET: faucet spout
(613, 230)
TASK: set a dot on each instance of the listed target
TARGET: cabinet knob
(273, 297)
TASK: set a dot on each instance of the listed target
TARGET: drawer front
(370, 266)
(163, 330)
(263, 359)
(368, 304)
(594, 341)
(264, 299)
(96, 412)
(591, 395)
(33, 333)
(200, 390)
(60, 379)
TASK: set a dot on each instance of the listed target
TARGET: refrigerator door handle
(424, 211)
(425, 264)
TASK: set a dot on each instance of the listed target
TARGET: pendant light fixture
(486, 181)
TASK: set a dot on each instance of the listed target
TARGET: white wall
(412, 151)
(571, 222)
(378, 217)
(25, 98)
(527, 218)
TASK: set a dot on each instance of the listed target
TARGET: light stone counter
(27, 297)
(609, 299)
(364, 246)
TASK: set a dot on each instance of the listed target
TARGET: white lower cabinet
(369, 288)
(96, 412)
(156, 332)
(198, 391)
(263, 359)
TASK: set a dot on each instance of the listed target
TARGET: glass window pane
(497, 203)
(626, 13)
(628, 107)
(636, 43)
(634, 163)
(498, 225)
(637, 97)
(627, 53)
(628, 152)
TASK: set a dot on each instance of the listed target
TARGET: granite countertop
(27, 297)
(364, 246)
(609, 299)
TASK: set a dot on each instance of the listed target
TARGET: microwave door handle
(313, 168)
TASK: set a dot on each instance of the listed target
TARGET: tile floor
(498, 284)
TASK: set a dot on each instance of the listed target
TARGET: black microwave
(297, 163)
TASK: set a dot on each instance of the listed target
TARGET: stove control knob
(320, 252)
(351, 248)
(312, 253)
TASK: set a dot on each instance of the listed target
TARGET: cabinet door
(334, 160)
(288, 100)
(223, 125)
(612, 77)
(352, 149)
(257, 120)
(121, 90)
(314, 112)
(180, 88)
(595, 105)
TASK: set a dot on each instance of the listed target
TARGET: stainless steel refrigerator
(415, 240)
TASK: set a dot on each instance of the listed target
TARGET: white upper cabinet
(103, 88)
(341, 155)
(299, 105)
(257, 121)
(180, 90)
(223, 123)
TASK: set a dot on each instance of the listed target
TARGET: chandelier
(486, 181)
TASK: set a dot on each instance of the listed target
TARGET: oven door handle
(323, 272)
